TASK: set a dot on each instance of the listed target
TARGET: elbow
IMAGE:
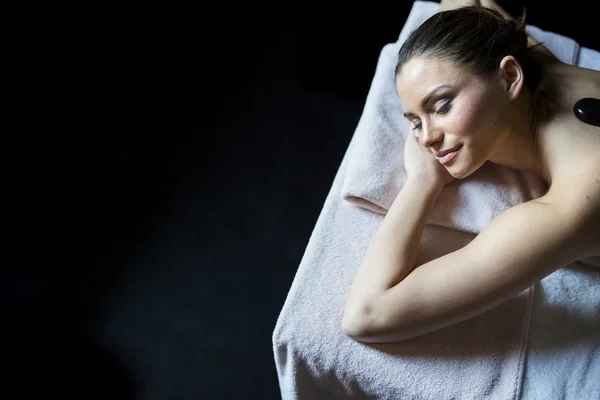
(366, 327)
(352, 329)
(360, 324)
(354, 323)
(369, 335)
(355, 331)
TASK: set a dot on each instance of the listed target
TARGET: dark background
(164, 169)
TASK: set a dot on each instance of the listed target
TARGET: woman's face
(450, 106)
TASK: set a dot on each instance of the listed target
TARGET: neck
(522, 148)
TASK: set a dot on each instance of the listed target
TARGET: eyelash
(440, 110)
(443, 108)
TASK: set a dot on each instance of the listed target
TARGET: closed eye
(442, 109)
(445, 106)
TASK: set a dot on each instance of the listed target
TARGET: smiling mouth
(449, 156)
(448, 152)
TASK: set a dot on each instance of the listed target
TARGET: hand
(420, 163)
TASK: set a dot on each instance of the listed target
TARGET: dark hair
(476, 37)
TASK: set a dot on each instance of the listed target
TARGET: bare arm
(517, 249)
(393, 252)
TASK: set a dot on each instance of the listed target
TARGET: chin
(464, 168)
(461, 173)
(466, 172)
(461, 176)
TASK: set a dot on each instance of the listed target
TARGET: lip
(448, 156)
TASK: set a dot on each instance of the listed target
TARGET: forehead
(420, 75)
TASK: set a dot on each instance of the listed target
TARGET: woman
(477, 89)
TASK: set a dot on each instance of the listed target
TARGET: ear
(512, 75)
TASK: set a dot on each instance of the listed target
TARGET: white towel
(484, 358)
(376, 170)
(481, 358)
(478, 359)
(563, 348)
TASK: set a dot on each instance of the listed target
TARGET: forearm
(393, 251)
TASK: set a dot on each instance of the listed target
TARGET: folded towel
(563, 349)
(589, 58)
(481, 358)
(376, 170)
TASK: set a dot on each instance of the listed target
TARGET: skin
(488, 116)
(508, 143)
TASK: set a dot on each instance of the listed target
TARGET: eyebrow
(429, 96)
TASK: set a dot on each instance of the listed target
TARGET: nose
(430, 133)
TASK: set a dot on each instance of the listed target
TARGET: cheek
(476, 116)
(469, 120)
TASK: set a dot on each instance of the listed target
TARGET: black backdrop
(110, 108)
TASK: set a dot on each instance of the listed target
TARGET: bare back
(572, 147)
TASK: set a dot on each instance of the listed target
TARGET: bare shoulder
(579, 81)
(576, 199)
(573, 150)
